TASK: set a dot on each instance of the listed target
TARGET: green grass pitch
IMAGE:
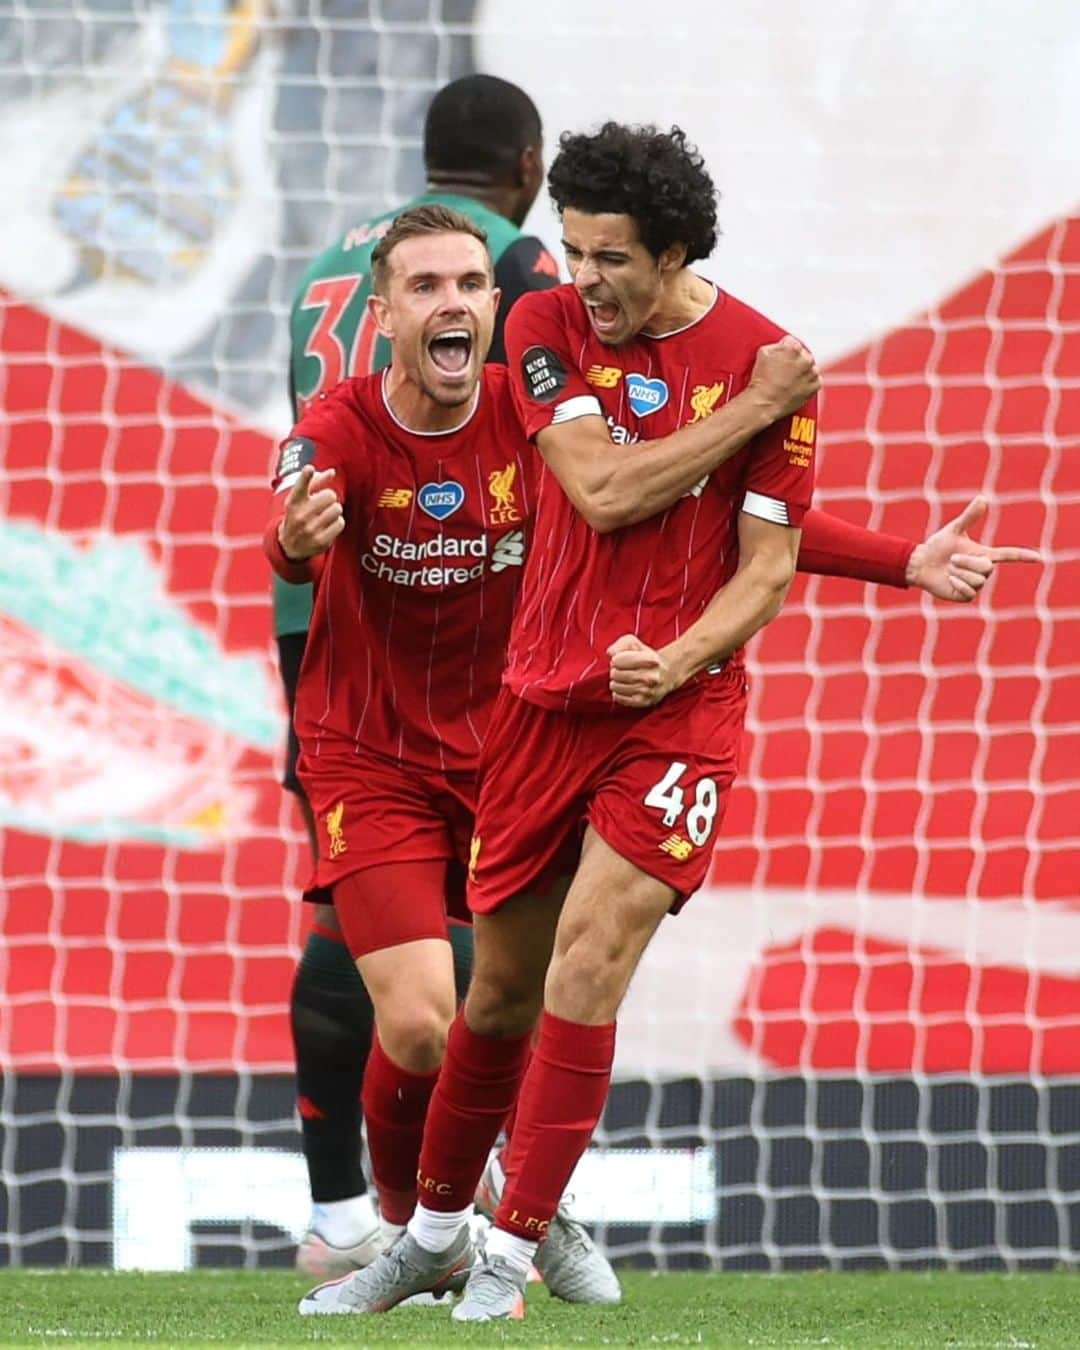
(963, 1312)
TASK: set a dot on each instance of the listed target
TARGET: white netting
(864, 1047)
(173, 167)
(915, 764)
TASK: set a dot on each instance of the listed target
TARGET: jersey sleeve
(834, 547)
(779, 479)
(523, 266)
(318, 439)
(548, 386)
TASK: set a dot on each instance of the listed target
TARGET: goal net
(861, 1045)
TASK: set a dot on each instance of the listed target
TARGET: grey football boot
(495, 1292)
(406, 1269)
(571, 1264)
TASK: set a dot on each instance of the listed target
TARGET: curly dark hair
(658, 177)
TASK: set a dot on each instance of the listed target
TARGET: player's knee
(415, 1037)
(497, 1005)
(588, 977)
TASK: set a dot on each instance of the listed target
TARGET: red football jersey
(582, 589)
(414, 601)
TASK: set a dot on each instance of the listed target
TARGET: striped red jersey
(582, 589)
(414, 601)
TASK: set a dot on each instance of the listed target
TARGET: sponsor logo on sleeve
(395, 498)
(645, 395)
(603, 377)
(295, 453)
(799, 443)
(503, 507)
(544, 373)
(439, 500)
(704, 399)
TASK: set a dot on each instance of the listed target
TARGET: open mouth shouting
(604, 316)
(450, 353)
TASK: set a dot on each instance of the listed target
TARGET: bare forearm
(751, 599)
(618, 485)
(647, 477)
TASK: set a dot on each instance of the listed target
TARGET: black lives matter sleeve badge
(544, 373)
(293, 456)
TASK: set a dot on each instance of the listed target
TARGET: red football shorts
(654, 785)
(371, 813)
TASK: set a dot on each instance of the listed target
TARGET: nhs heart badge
(645, 396)
(440, 500)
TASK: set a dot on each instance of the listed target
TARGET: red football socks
(476, 1088)
(508, 1158)
(395, 1107)
(561, 1101)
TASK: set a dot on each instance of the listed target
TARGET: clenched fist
(785, 375)
(639, 677)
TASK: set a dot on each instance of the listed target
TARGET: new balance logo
(395, 497)
(603, 377)
(677, 847)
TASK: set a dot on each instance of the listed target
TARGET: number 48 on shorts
(669, 796)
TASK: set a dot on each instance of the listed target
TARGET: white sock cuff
(344, 1223)
(434, 1230)
(517, 1251)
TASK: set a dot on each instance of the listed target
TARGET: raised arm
(613, 486)
(310, 522)
(948, 564)
(306, 512)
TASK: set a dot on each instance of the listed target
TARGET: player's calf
(611, 912)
